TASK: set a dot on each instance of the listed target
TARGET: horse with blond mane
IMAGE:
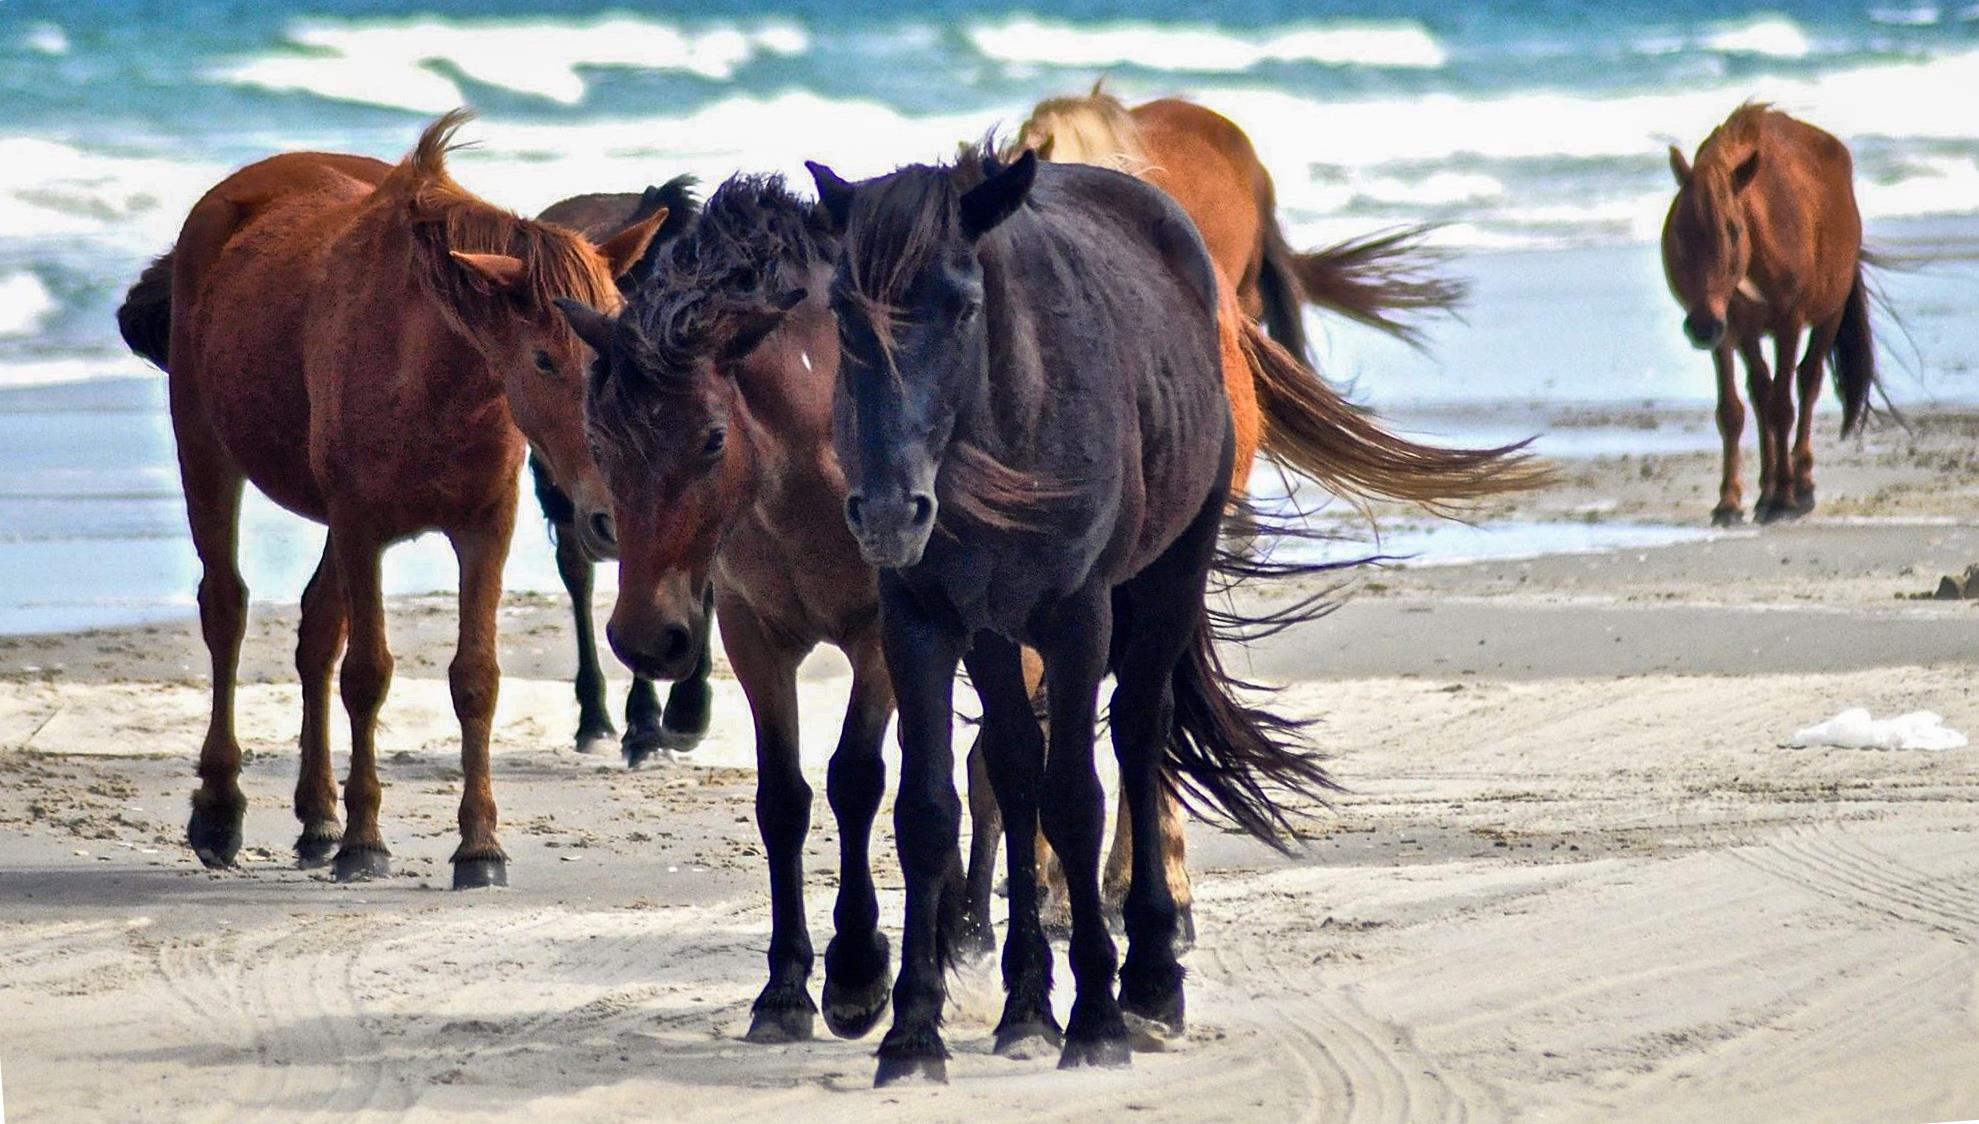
(374, 347)
(1764, 238)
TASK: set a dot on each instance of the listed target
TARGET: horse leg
(1118, 880)
(367, 675)
(1779, 415)
(1118, 872)
(1812, 367)
(1759, 388)
(213, 496)
(318, 643)
(475, 678)
(690, 703)
(1012, 748)
(978, 938)
(921, 655)
(767, 670)
(642, 722)
(856, 985)
(1073, 811)
(1731, 429)
(594, 722)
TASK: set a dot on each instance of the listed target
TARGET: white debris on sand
(1855, 729)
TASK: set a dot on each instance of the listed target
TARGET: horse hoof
(315, 846)
(680, 741)
(776, 1027)
(362, 863)
(1102, 1053)
(215, 838)
(479, 874)
(1770, 512)
(1804, 503)
(1028, 1039)
(1727, 517)
(852, 1012)
(640, 744)
(898, 1070)
(598, 742)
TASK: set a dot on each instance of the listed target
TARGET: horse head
(914, 356)
(1707, 246)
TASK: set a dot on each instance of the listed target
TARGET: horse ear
(1743, 174)
(498, 272)
(833, 192)
(998, 197)
(623, 250)
(750, 328)
(591, 326)
(1679, 167)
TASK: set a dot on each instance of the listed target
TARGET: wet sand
(1576, 876)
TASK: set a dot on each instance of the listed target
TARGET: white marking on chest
(806, 357)
(1750, 291)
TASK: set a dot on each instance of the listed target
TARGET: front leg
(1759, 388)
(366, 676)
(1012, 747)
(1073, 812)
(1779, 415)
(690, 703)
(475, 678)
(1731, 431)
(594, 723)
(856, 960)
(927, 818)
(766, 666)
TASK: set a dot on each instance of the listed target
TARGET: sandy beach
(1576, 875)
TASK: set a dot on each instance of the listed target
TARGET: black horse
(1031, 415)
(648, 728)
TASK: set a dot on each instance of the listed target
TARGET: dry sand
(1576, 877)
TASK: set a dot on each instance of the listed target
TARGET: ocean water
(1534, 131)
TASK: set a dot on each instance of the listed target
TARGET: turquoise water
(1534, 131)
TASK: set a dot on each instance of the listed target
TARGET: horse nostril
(674, 643)
(852, 505)
(924, 508)
(604, 528)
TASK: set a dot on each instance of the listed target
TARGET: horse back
(1808, 230)
(1204, 161)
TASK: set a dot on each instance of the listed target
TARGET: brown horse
(1203, 160)
(1763, 239)
(369, 344)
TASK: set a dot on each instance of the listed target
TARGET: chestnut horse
(369, 344)
(1763, 239)
(1208, 165)
(648, 728)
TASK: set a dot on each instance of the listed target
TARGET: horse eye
(717, 439)
(544, 363)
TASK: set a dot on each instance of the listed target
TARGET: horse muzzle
(667, 650)
(1706, 331)
(892, 531)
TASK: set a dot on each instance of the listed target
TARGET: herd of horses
(991, 415)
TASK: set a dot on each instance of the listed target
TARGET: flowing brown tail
(1377, 280)
(1310, 427)
(145, 317)
(1854, 358)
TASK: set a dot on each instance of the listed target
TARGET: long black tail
(1384, 280)
(145, 317)
(1225, 752)
(1854, 358)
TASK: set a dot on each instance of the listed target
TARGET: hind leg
(318, 643)
(475, 679)
(1777, 415)
(594, 722)
(978, 938)
(1118, 878)
(1759, 388)
(1812, 366)
(856, 985)
(690, 703)
(1156, 617)
(367, 675)
(1731, 430)
(213, 496)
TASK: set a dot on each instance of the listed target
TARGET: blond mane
(1093, 128)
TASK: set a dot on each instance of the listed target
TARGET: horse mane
(1091, 128)
(1731, 141)
(753, 242)
(445, 218)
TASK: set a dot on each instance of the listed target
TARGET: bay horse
(649, 729)
(1207, 163)
(1030, 366)
(374, 347)
(1764, 238)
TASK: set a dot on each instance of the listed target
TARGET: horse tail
(558, 510)
(1228, 754)
(1382, 280)
(1284, 297)
(145, 317)
(1854, 358)
(1310, 426)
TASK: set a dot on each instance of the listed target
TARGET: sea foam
(24, 302)
(1202, 49)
